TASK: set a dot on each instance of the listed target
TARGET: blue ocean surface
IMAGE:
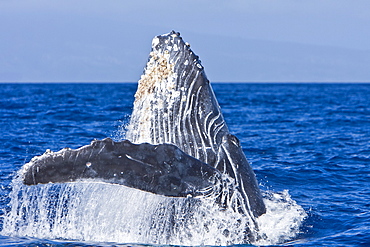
(309, 142)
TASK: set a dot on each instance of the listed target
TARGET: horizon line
(214, 82)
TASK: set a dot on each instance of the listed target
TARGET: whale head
(175, 104)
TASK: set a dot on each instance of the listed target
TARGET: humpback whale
(177, 142)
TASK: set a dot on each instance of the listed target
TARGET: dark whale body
(178, 142)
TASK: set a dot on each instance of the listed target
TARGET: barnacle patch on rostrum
(158, 70)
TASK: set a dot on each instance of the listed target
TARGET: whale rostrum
(178, 143)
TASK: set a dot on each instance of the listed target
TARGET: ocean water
(309, 145)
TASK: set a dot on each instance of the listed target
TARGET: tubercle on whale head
(168, 50)
(231, 140)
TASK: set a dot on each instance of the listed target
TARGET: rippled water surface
(308, 142)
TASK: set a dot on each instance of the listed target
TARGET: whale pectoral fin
(162, 169)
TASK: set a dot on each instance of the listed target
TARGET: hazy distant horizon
(237, 41)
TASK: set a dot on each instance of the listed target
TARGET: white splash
(92, 211)
(282, 220)
(99, 212)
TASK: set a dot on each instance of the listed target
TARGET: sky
(237, 40)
